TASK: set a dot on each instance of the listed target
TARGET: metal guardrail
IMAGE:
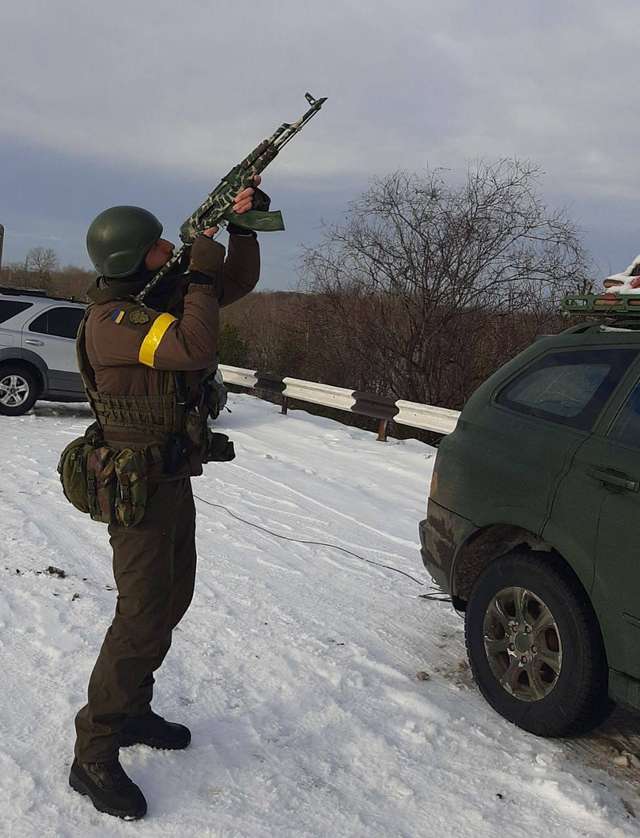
(424, 417)
(239, 376)
(324, 394)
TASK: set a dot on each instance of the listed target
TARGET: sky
(152, 103)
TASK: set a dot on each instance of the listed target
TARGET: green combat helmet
(119, 239)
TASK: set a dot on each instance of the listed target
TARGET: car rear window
(61, 322)
(9, 309)
(569, 388)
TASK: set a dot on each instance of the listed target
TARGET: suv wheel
(535, 646)
(18, 390)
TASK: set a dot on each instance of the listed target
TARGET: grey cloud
(154, 101)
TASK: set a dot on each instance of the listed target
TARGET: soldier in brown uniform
(147, 372)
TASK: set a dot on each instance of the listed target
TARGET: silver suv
(37, 350)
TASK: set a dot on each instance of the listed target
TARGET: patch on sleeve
(117, 315)
(138, 316)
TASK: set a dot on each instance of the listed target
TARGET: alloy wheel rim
(14, 390)
(522, 644)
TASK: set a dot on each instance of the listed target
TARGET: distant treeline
(41, 270)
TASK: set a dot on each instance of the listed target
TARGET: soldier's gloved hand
(250, 198)
(207, 258)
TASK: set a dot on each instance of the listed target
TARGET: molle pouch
(131, 474)
(219, 448)
(72, 468)
(101, 484)
(73, 473)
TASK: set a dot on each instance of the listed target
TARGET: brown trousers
(154, 566)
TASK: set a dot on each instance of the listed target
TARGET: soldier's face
(158, 255)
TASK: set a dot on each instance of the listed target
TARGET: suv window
(569, 388)
(626, 427)
(62, 322)
(9, 309)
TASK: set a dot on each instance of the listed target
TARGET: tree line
(426, 288)
(41, 270)
(428, 285)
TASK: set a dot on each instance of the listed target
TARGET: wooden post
(382, 430)
(285, 405)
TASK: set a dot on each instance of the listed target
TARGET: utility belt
(110, 481)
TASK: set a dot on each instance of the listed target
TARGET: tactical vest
(174, 430)
(163, 424)
(152, 414)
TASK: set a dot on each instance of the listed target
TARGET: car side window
(61, 322)
(626, 426)
(569, 388)
(9, 309)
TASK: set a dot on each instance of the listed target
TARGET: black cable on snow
(436, 596)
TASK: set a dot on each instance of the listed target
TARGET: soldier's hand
(210, 232)
(207, 259)
(244, 199)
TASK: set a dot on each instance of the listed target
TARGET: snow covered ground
(295, 666)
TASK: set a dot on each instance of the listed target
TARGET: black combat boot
(154, 731)
(109, 788)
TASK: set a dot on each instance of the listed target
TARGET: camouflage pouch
(111, 486)
(72, 468)
(131, 486)
(101, 484)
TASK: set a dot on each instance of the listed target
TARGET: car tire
(535, 647)
(19, 389)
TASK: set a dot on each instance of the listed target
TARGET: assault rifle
(216, 209)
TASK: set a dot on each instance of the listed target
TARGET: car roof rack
(598, 305)
(36, 292)
(608, 312)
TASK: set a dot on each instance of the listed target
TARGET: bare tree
(41, 261)
(421, 266)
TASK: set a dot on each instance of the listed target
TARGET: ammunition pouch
(131, 471)
(108, 484)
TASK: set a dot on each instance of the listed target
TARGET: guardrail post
(382, 430)
(1, 242)
(285, 405)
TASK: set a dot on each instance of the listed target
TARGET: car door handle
(614, 478)
(34, 342)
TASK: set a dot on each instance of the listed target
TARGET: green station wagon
(533, 524)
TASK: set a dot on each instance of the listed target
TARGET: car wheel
(18, 390)
(535, 647)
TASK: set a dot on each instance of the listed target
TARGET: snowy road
(295, 666)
